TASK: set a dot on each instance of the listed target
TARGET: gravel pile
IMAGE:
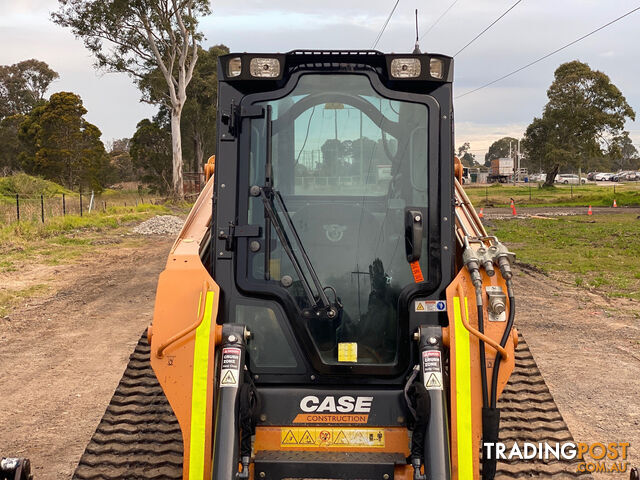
(160, 225)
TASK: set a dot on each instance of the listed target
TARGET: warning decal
(332, 437)
(230, 367)
(289, 439)
(347, 352)
(431, 306)
(432, 370)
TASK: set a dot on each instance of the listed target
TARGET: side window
(268, 346)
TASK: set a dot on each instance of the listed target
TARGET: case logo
(334, 232)
(331, 404)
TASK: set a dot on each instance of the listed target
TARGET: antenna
(416, 49)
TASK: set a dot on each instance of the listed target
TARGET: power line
(385, 25)
(438, 20)
(548, 54)
(491, 25)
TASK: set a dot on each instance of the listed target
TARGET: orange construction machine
(333, 307)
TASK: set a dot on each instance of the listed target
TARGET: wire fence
(40, 208)
(34, 207)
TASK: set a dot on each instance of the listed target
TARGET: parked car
(628, 176)
(603, 177)
(591, 175)
(538, 177)
(568, 178)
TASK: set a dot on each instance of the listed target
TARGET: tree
(59, 144)
(624, 156)
(120, 160)
(198, 126)
(10, 147)
(582, 123)
(23, 85)
(467, 158)
(150, 151)
(138, 36)
(502, 148)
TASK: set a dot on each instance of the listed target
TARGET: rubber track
(139, 437)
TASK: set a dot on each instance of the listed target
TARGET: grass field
(64, 240)
(32, 196)
(500, 195)
(598, 252)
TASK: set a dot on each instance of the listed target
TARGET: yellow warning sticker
(347, 352)
(331, 437)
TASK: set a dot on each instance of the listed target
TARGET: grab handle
(186, 331)
(473, 331)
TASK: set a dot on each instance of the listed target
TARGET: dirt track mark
(62, 356)
(587, 347)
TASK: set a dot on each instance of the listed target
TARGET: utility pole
(518, 157)
(513, 163)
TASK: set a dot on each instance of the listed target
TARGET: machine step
(276, 465)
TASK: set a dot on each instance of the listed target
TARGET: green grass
(24, 184)
(499, 195)
(62, 239)
(10, 298)
(600, 251)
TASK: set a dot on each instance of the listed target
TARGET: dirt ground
(588, 349)
(498, 213)
(61, 356)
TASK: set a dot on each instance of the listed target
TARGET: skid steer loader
(333, 307)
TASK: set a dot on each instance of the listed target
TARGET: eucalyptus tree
(137, 37)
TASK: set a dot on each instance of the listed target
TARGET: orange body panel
(179, 308)
(493, 330)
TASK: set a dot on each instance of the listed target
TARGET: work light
(234, 67)
(436, 68)
(264, 67)
(405, 67)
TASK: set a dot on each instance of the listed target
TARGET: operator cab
(329, 223)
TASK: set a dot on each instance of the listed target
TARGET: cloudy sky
(532, 29)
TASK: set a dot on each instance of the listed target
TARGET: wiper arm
(303, 252)
(269, 194)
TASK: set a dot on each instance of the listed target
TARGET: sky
(532, 29)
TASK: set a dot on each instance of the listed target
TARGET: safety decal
(423, 306)
(331, 437)
(432, 370)
(347, 352)
(230, 369)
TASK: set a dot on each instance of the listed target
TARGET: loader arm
(184, 335)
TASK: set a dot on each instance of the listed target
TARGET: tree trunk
(551, 175)
(199, 149)
(176, 144)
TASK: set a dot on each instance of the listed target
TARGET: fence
(41, 207)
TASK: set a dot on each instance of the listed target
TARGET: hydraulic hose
(503, 342)
(483, 360)
(481, 336)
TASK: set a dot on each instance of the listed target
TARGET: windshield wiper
(270, 197)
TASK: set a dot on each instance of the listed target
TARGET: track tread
(138, 436)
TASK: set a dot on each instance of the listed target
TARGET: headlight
(436, 68)
(234, 67)
(264, 67)
(405, 67)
